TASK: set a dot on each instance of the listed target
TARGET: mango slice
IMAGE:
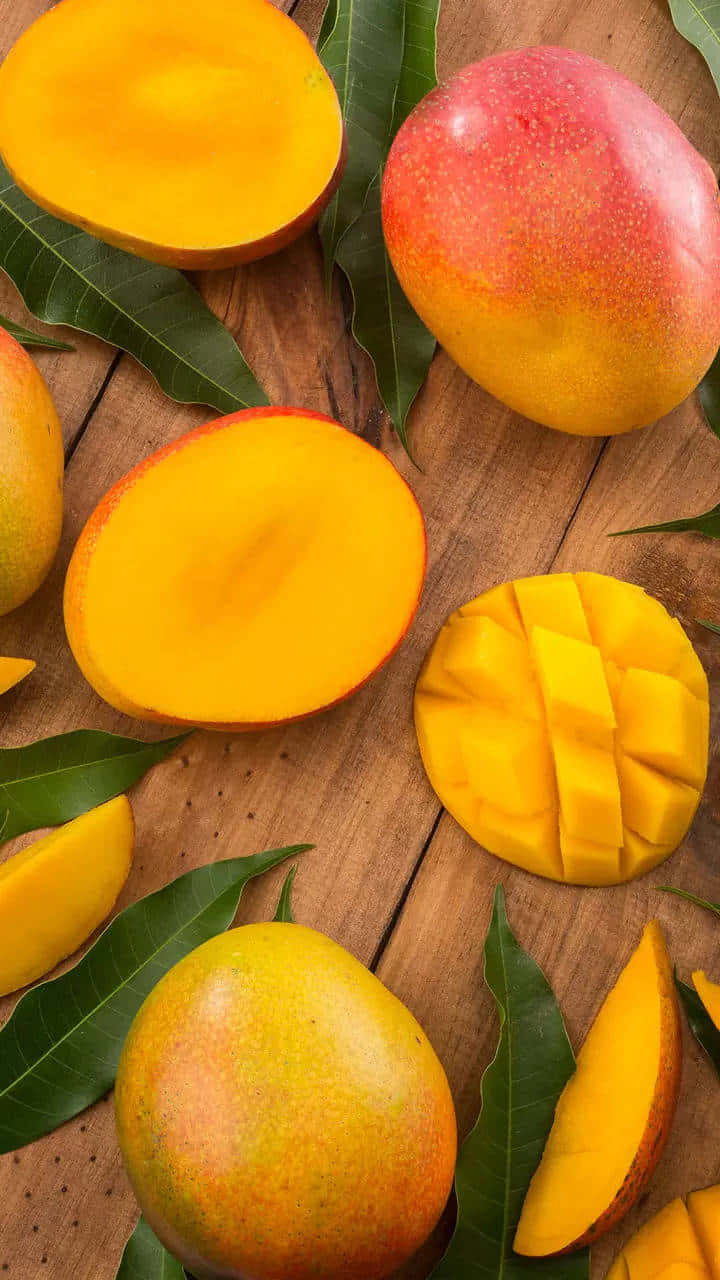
(709, 993)
(256, 570)
(13, 670)
(54, 893)
(614, 1115)
(582, 715)
(196, 135)
(679, 1243)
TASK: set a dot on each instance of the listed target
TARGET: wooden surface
(392, 877)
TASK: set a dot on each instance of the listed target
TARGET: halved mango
(709, 993)
(614, 1115)
(196, 135)
(704, 1210)
(13, 670)
(679, 1243)
(54, 893)
(256, 570)
(628, 745)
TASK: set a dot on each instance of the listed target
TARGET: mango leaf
(27, 338)
(144, 1258)
(56, 779)
(60, 1047)
(700, 24)
(67, 277)
(520, 1090)
(709, 626)
(709, 389)
(691, 897)
(701, 1024)
(284, 907)
(708, 522)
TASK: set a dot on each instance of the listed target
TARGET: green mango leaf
(56, 779)
(709, 626)
(59, 1048)
(67, 277)
(27, 338)
(701, 1024)
(361, 48)
(284, 913)
(691, 897)
(708, 522)
(709, 392)
(520, 1090)
(700, 24)
(144, 1258)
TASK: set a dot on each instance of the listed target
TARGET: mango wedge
(680, 1243)
(709, 993)
(13, 670)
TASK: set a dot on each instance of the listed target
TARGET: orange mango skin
(282, 1116)
(560, 237)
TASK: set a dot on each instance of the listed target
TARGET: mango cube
(508, 763)
(574, 686)
(704, 1210)
(656, 807)
(586, 862)
(663, 724)
(670, 1247)
(552, 600)
(492, 664)
(589, 790)
(500, 604)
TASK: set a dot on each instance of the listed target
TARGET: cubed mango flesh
(679, 1243)
(704, 1210)
(582, 714)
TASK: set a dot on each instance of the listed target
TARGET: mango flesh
(560, 237)
(709, 993)
(563, 720)
(31, 476)
(197, 135)
(256, 570)
(55, 892)
(614, 1115)
(282, 1116)
(13, 670)
(679, 1243)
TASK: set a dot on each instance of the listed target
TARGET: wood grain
(391, 877)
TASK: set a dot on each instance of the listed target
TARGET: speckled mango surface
(680, 1243)
(563, 721)
(282, 1116)
(560, 237)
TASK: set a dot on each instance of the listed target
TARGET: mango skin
(282, 1116)
(31, 476)
(560, 237)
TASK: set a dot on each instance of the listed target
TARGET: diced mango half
(55, 892)
(13, 670)
(614, 1115)
(709, 993)
(679, 1243)
(564, 718)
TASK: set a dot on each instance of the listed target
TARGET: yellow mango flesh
(31, 476)
(13, 670)
(54, 893)
(679, 1243)
(193, 134)
(257, 570)
(281, 1114)
(614, 1114)
(709, 993)
(577, 741)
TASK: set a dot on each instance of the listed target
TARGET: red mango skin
(561, 238)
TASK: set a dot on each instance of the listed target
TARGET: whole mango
(31, 476)
(561, 238)
(282, 1116)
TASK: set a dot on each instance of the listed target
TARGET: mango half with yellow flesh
(256, 570)
(560, 237)
(54, 893)
(709, 993)
(679, 1243)
(563, 721)
(614, 1115)
(193, 134)
(281, 1114)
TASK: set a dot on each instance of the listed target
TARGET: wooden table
(392, 877)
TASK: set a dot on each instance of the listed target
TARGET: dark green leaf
(27, 338)
(520, 1090)
(55, 779)
(60, 1047)
(708, 523)
(710, 626)
(67, 277)
(690, 897)
(700, 24)
(284, 907)
(145, 1258)
(362, 52)
(418, 74)
(701, 1024)
(709, 389)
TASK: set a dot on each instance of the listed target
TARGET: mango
(13, 670)
(563, 721)
(560, 237)
(709, 993)
(195, 135)
(281, 1115)
(31, 476)
(614, 1115)
(256, 570)
(682, 1242)
(55, 892)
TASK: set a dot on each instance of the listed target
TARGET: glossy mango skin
(282, 1116)
(560, 237)
(31, 476)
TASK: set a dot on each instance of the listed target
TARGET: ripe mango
(680, 1243)
(560, 237)
(282, 1116)
(31, 476)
